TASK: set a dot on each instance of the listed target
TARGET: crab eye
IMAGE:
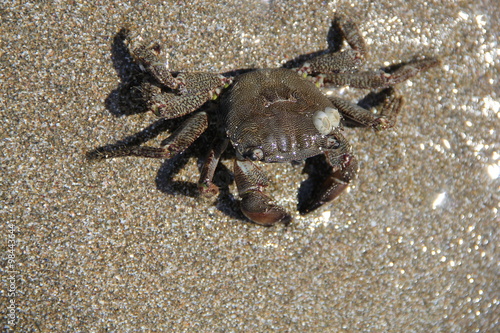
(325, 121)
(254, 154)
(332, 143)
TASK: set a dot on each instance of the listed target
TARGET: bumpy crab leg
(379, 79)
(255, 204)
(192, 90)
(205, 185)
(340, 61)
(196, 89)
(344, 168)
(337, 68)
(148, 56)
(385, 119)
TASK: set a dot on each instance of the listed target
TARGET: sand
(125, 244)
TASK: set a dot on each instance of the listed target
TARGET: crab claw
(344, 169)
(339, 179)
(260, 208)
(255, 204)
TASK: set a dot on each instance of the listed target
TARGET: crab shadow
(335, 39)
(166, 181)
(126, 99)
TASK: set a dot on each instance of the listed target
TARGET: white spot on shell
(333, 115)
(321, 122)
(325, 121)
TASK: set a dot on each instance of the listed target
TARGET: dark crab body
(269, 116)
(273, 115)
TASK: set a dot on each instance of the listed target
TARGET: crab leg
(379, 79)
(205, 185)
(149, 58)
(351, 33)
(192, 89)
(169, 106)
(340, 61)
(255, 204)
(386, 119)
(195, 89)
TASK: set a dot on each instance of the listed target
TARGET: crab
(274, 115)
